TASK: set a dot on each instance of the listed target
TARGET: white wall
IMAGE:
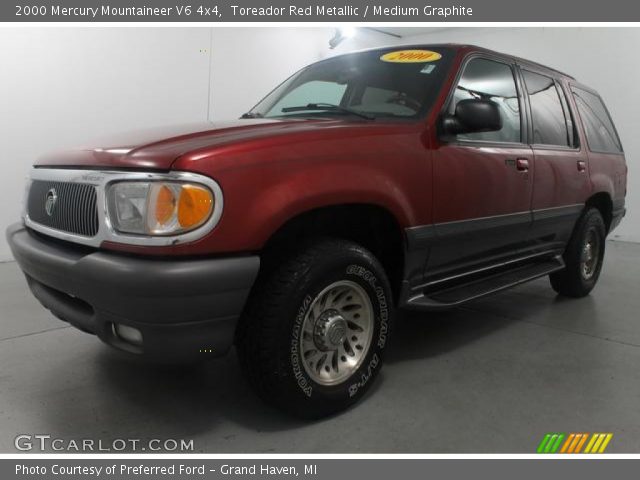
(60, 87)
(248, 63)
(599, 57)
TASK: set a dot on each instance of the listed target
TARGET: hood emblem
(50, 202)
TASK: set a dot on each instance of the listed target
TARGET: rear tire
(312, 338)
(583, 257)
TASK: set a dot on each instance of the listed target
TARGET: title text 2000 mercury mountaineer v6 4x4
(418, 177)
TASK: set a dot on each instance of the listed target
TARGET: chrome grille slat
(63, 203)
(73, 219)
(75, 211)
(93, 203)
(83, 200)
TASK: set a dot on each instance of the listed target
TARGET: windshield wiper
(328, 107)
(251, 115)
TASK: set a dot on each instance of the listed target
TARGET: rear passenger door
(483, 181)
(561, 180)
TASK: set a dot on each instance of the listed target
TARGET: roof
(461, 46)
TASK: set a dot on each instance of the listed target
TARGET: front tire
(583, 257)
(312, 338)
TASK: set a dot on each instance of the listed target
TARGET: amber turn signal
(195, 206)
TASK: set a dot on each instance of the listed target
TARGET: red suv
(418, 177)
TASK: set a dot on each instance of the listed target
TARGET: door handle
(582, 166)
(522, 164)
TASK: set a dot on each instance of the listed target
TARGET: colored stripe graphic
(573, 443)
(605, 444)
(556, 445)
(576, 443)
(550, 443)
(598, 443)
(568, 442)
(543, 443)
(591, 442)
(581, 442)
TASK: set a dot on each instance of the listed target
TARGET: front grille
(74, 210)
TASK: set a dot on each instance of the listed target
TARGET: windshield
(400, 82)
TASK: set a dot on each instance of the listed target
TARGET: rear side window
(550, 118)
(601, 134)
(491, 80)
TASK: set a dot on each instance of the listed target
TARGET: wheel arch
(370, 225)
(603, 202)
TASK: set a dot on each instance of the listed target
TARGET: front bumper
(184, 309)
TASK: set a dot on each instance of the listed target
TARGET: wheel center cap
(588, 252)
(330, 330)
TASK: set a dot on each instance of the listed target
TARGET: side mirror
(473, 115)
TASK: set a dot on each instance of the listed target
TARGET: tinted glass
(549, 122)
(494, 81)
(320, 91)
(601, 135)
(362, 82)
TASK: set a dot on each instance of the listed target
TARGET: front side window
(363, 83)
(548, 116)
(601, 135)
(491, 80)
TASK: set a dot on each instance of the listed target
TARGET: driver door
(482, 188)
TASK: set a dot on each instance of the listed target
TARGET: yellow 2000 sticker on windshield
(411, 56)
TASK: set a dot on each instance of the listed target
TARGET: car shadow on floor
(155, 401)
(421, 335)
(217, 388)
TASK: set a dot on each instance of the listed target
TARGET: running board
(481, 287)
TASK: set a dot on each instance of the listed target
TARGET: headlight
(159, 208)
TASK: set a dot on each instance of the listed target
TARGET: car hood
(158, 148)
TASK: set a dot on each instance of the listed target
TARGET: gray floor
(494, 376)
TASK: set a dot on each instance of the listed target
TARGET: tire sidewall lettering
(383, 308)
(365, 376)
(298, 370)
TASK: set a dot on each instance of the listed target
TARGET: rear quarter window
(598, 126)
(551, 121)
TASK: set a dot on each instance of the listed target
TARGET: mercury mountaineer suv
(418, 177)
